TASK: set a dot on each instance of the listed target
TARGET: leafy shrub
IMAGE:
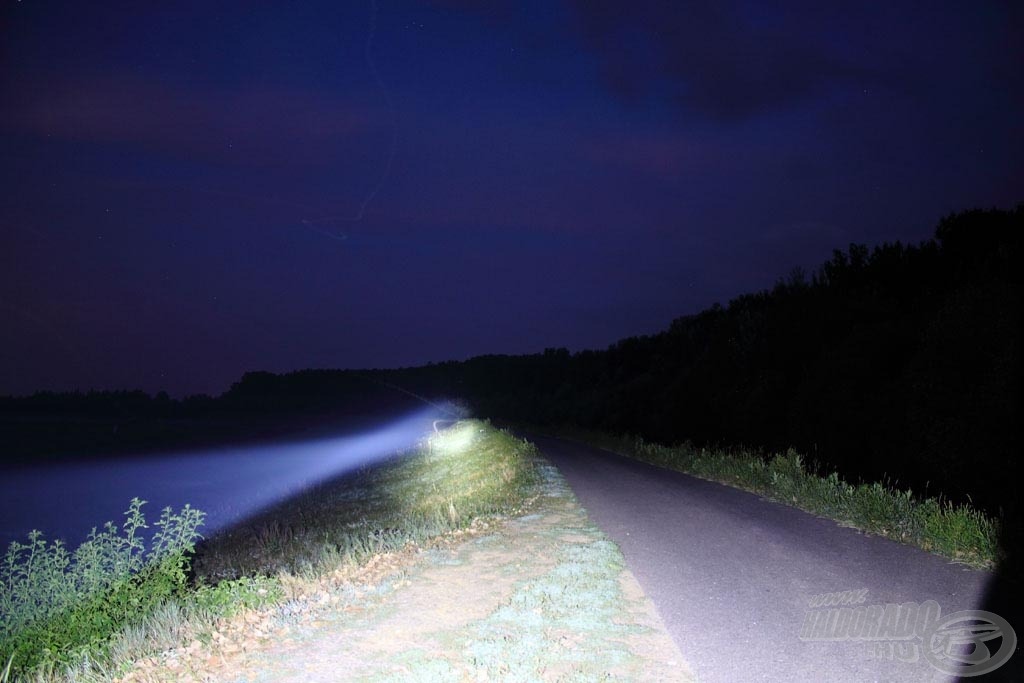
(56, 605)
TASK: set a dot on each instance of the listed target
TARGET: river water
(66, 498)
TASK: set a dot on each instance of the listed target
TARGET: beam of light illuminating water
(66, 499)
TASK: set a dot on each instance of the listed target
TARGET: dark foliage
(260, 407)
(898, 362)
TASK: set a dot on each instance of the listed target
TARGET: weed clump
(57, 605)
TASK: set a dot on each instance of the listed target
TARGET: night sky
(202, 189)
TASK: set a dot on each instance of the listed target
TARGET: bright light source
(453, 439)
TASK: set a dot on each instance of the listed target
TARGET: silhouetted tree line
(901, 361)
(258, 407)
(86, 404)
(346, 392)
(257, 392)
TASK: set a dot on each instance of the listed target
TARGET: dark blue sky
(194, 192)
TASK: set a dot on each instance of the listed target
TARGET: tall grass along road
(754, 590)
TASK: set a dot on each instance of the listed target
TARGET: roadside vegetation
(58, 606)
(537, 596)
(92, 613)
(958, 532)
(893, 365)
(896, 360)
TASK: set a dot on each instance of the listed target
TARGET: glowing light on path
(453, 439)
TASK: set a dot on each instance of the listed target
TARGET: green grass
(90, 613)
(464, 472)
(958, 532)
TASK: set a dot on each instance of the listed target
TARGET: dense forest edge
(899, 363)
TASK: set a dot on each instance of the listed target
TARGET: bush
(56, 605)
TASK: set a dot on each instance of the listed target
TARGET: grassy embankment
(92, 613)
(958, 532)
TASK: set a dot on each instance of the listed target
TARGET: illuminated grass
(462, 474)
(960, 532)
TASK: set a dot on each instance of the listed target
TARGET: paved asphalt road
(733, 574)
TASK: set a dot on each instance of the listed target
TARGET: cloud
(710, 58)
(261, 124)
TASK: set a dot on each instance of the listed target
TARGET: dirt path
(543, 596)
